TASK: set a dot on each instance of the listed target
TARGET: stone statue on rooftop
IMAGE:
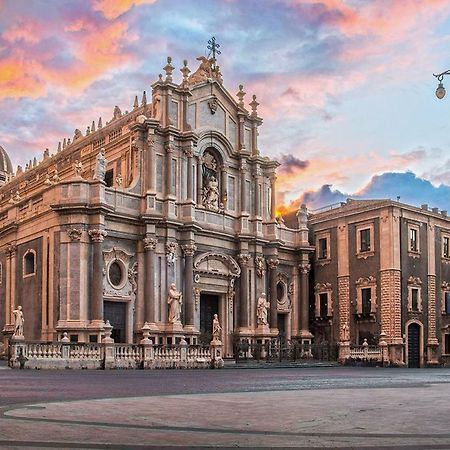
(100, 166)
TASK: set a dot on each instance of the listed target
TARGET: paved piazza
(285, 407)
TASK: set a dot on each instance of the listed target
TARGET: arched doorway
(414, 345)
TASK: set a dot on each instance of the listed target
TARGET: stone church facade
(171, 195)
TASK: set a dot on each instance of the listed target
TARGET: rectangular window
(323, 249)
(447, 344)
(446, 247)
(414, 299)
(174, 177)
(447, 303)
(159, 173)
(231, 194)
(364, 240)
(366, 297)
(323, 304)
(413, 240)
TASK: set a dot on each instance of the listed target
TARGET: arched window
(211, 181)
(29, 263)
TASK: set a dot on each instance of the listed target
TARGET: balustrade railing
(108, 355)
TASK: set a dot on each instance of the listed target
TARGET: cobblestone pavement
(297, 407)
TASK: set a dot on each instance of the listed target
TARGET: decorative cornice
(366, 281)
(97, 235)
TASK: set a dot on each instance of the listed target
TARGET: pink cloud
(112, 9)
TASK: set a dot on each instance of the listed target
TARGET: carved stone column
(11, 251)
(273, 279)
(169, 152)
(189, 251)
(149, 286)
(303, 323)
(257, 210)
(244, 259)
(97, 237)
(224, 187)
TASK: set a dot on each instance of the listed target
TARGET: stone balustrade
(108, 355)
(365, 352)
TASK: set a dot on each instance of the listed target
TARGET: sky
(345, 87)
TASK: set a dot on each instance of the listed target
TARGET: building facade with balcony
(381, 271)
(163, 216)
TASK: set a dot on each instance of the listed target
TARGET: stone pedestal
(344, 351)
(216, 348)
(396, 353)
(433, 352)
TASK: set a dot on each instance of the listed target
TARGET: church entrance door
(209, 305)
(281, 324)
(414, 345)
(116, 313)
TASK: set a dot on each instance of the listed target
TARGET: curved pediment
(217, 264)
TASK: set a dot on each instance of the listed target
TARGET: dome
(5, 162)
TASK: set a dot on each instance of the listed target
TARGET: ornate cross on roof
(213, 48)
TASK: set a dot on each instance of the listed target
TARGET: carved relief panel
(120, 274)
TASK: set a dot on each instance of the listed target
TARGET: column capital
(304, 268)
(97, 235)
(189, 249)
(188, 151)
(74, 234)
(11, 250)
(244, 258)
(150, 243)
(273, 263)
(170, 147)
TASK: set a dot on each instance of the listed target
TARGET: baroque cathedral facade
(162, 217)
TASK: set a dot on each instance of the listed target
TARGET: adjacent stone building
(171, 202)
(382, 268)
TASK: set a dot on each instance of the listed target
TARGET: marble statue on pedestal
(174, 300)
(261, 310)
(18, 322)
(216, 328)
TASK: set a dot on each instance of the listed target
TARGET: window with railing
(413, 236)
(365, 245)
(446, 247)
(446, 309)
(366, 297)
(366, 301)
(323, 248)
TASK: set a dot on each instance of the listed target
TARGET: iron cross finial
(213, 48)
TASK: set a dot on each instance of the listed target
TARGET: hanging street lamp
(440, 90)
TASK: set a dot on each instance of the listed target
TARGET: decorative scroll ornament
(11, 250)
(260, 264)
(273, 263)
(171, 253)
(197, 293)
(212, 104)
(132, 278)
(74, 234)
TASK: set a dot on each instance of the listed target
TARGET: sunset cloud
(112, 9)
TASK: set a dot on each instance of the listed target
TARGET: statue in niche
(78, 168)
(261, 310)
(211, 195)
(216, 328)
(175, 299)
(100, 166)
(18, 322)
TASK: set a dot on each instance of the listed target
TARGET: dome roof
(5, 162)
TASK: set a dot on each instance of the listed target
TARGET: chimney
(424, 207)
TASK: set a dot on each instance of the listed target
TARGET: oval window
(280, 290)
(115, 273)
